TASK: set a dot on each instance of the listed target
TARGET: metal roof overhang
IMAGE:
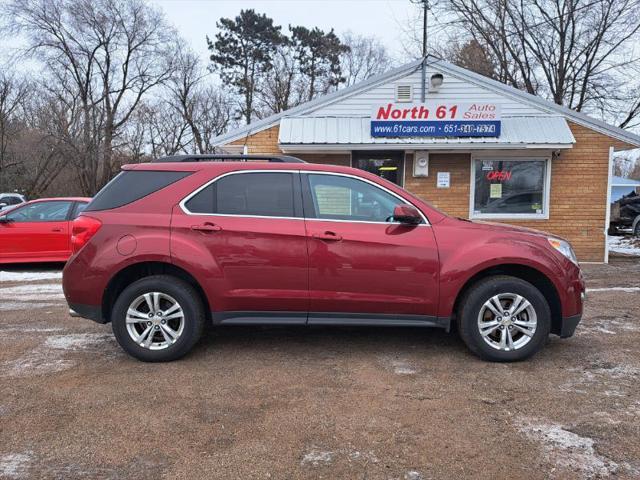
(300, 134)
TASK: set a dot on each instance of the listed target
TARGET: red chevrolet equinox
(241, 240)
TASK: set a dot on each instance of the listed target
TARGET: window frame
(308, 199)
(546, 187)
(297, 196)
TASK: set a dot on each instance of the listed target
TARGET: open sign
(499, 175)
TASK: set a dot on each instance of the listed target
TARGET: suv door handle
(330, 236)
(57, 229)
(207, 227)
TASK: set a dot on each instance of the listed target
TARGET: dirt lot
(317, 403)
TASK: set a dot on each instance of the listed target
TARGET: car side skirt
(329, 318)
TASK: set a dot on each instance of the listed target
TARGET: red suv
(167, 246)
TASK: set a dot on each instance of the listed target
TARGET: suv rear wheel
(158, 318)
(504, 319)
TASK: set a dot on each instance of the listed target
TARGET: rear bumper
(90, 312)
(569, 325)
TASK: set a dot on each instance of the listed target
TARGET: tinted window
(132, 185)
(344, 198)
(509, 186)
(41, 212)
(11, 200)
(267, 194)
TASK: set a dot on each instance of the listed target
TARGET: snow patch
(614, 289)
(567, 449)
(28, 276)
(76, 341)
(19, 329)
(317, 457)
(49, 357)
(609, 326)
(626, 245)
(37, 289)
(413, 475)
(399, 366)
(12, 306)
(14, 465)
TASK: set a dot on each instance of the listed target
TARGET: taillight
(82, 229)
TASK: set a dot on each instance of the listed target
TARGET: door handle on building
(206, 227)
(330, 236)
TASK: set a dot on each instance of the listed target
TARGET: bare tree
(576, 52)
(13, 93)
(202, 106)
(283, 86)
(366, 57)
(106, 54)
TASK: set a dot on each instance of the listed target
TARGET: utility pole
(425, 9)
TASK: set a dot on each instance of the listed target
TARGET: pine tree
(318, 54)
(242, 53)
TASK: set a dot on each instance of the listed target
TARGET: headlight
(564, 248)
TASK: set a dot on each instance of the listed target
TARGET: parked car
(168, 246)
(39, 230)
(9, 200)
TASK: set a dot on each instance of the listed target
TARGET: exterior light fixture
(436, 82)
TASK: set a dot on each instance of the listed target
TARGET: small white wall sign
(444, 180)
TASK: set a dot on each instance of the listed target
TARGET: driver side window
(344, 198)
(41, 212)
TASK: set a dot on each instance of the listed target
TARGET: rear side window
(132, 185)
(268, 194)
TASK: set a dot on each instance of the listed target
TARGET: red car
(39, 230)
(168, 246)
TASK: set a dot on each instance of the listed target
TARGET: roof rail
(229, 158)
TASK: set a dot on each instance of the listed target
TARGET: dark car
(168, 246)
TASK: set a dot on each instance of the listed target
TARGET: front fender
(460, 262)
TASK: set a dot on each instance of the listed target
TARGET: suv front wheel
(504, 319)
(158, 318)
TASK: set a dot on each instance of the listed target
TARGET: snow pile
(626, 245)
(28, 276)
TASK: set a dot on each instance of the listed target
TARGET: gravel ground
(330, 403)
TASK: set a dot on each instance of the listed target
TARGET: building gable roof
(445, 67)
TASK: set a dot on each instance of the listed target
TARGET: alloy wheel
(155, 320)
(507, 321)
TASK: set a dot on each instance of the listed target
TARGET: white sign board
(444, 180)
(436, 119)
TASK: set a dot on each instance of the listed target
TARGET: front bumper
(569, 325)
(90, 312)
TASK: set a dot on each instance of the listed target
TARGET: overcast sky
(195, 19)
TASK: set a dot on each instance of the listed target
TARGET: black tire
(472, 303)
(636, 230)
(192, 308)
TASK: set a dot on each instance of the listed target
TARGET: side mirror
(2, 205)
(408, 214)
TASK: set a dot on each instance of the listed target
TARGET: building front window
(386, 164)
(510, 188)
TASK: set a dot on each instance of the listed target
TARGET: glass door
(386, 164)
